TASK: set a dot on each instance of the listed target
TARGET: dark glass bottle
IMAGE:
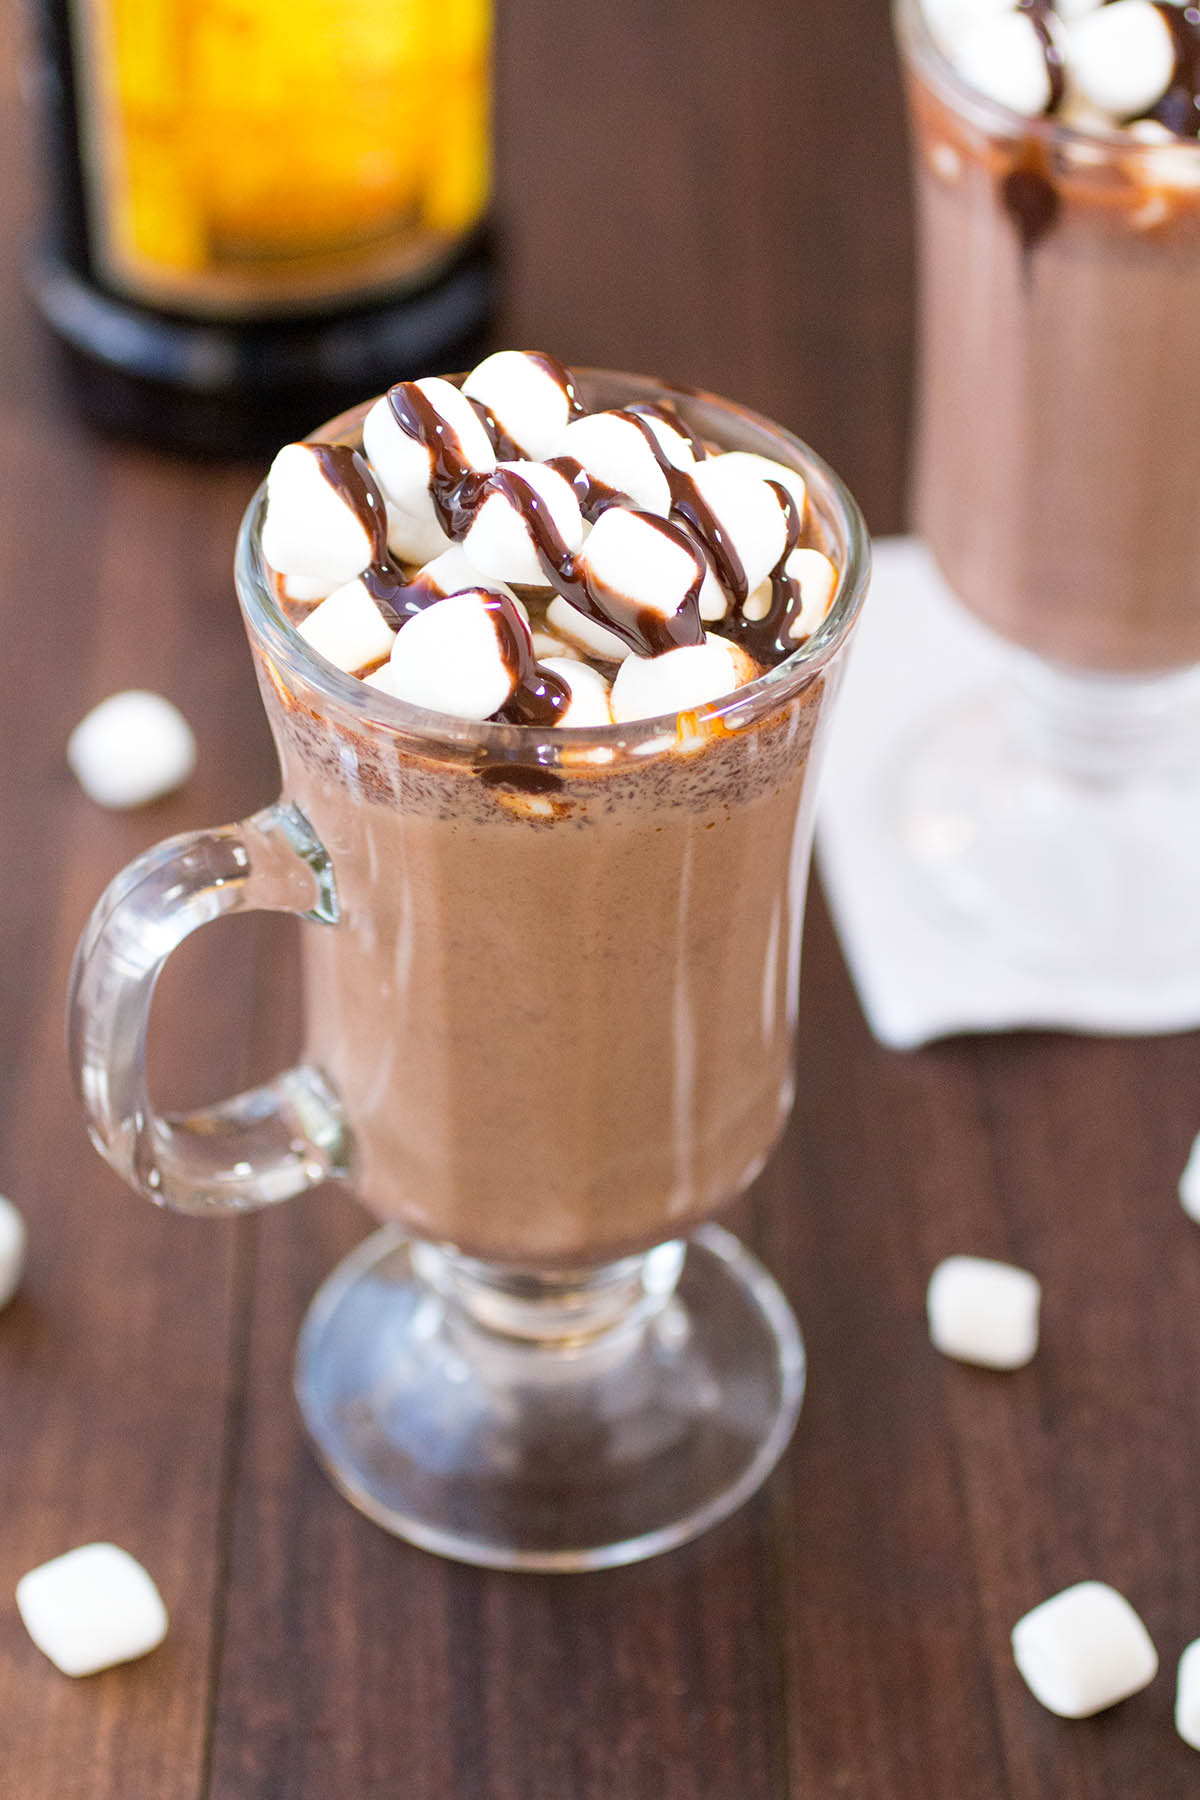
(260, 211)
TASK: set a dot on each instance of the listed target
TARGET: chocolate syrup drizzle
(459, 491)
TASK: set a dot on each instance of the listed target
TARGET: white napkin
(917, 654)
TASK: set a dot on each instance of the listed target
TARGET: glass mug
(550, 992)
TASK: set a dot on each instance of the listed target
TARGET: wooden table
(717, 193)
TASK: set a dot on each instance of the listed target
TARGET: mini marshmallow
(589, 634)
(305, 591)
(500, 543)
(523, 397)
(348, 629)
(453, 572)
(92, 1608)
(714, 601)
(984, 1312)
(589, 692)
(1004, 60)
(1187, 1696)
(765, 468)
(404, 466)
(545, 645)
(310, 530)
(1083, 1650)
(12, 1250)
(949, 19)
(1189, 1184)
(648, 686)
(615, 451)
(130, 749)
(1122, 57)
(637, 565)
(816, 578)
(674, 445)
(452, 658)
(749, 513)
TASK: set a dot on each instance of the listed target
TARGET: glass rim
(553, 746)
(921, 50)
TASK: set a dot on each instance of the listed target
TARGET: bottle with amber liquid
(260, 210)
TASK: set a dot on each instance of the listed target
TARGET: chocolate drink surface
(559, 1003)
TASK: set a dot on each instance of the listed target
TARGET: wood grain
(720, 195)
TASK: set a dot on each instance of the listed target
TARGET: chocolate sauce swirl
(349, 474)
(1041, 14)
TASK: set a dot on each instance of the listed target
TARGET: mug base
(514, 1454)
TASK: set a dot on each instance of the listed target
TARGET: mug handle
(241, 1154)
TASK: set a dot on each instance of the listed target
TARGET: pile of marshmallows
(1117, 60)
(1084, 1649)
(452, 656)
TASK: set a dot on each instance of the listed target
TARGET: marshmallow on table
(457, 656)
(1122, 57)
(131, 749)
(311, 530)
(91, 1608)
(12, 1250)
(348, 629)
(1083, 1650)
(614, 451)
(499, 540)
(527, 402)
(576, 628)
(984, 1312)
(404, 465)
(1189, 1184)
(750, 514)
(1004, 60)
(589, 703)
(648, 686)
(1187, 1696)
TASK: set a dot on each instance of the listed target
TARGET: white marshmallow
(675, 447)
(415, 540)
(1122, 57)
(818, 581)
(453, 572)
(714, 601)
(524, 399)
(304, 591)
(309, 530)
(348, 629)
(641, 566)
(92, 1608)
(748, 511)
(404, 465)
(545, 645)
(1189, 1184)
(588, 705)
(500, 543)
(648, 686)
(131, 749)
(450, 658)
(577, 629)
(1187, 1696)
(12, 1250)
(765, 468)
(1070, 10)
(984, 1312)
(1003, 59)
(615, 451)
(949, 19)
(1083, 1650)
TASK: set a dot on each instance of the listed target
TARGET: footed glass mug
(1057, 469)
(550, 992)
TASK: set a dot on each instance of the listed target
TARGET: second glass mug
(550, 996)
